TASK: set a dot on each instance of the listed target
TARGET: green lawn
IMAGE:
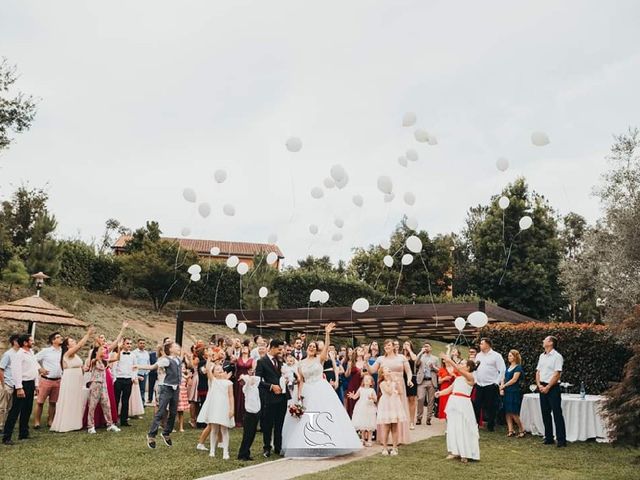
(122, 455)
(501, 458)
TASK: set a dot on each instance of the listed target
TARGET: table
(582, 417)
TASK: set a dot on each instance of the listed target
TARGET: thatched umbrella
(36, 310)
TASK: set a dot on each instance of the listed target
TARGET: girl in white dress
(365, 411)
(392, 410)
(463, 440)
(217, 409)
(325, 429)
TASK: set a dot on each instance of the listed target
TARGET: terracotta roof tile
(203, 247)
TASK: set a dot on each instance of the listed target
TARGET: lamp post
(39, 279)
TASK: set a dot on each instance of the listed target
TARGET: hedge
(592, 353)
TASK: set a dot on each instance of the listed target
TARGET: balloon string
(215, 299)
(506, 263)
(504, 242)
(395, 293)
(255, 268)
(183, 293)
(433, 303)
(241, 310)
(261, 317)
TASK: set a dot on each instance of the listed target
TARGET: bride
(325, 429)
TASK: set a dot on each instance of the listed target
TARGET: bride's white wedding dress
(325, 429)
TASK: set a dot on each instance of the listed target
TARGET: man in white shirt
(252, 414)
(141, 357)
(548, 374)
(489, 376)
(6, 380)
(24, 371)
(50, 375)
(124, 373)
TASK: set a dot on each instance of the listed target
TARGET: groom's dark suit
(274, 406)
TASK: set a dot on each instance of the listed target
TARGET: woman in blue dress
(512, 396)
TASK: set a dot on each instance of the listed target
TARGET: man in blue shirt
(141, 357)
(6, 380)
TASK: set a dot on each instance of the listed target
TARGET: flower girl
(365, 412)
(391, 412)
(217, 409)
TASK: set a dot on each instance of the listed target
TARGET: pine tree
(15, 273)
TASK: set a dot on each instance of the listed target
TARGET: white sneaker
(113, 428)
(412, 426)
(394, 452)
(202, 447)
(91, 430)
(225, 455)
(212, 453)
(385, 452)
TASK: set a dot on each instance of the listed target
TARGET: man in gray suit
(427, 366)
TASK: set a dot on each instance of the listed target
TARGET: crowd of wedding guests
(386, 391)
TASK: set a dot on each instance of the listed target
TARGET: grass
(501, 457)
(122, 455)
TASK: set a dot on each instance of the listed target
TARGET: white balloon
(503, 203)
(539, 139)
(189, 195)
(242, 268)
(329, 182)
(502, 164)
(242, 328)
(315, 295)
(361, 305)
(386, 244)
(525, 222)
(195, 277)
(272, 238)
(263, 292)
(388, 198)
(186, 231)
(313, 229)
(385, 185)
(220, 175)
(412, 155)
(412, 223)
(433, 140)
(403, 161)
(215, 251)
(338, 222)
(229, 210)
(338, 173)
(231, 320)
(388, 261)
(478, 319)
(409, 119)
(294, 144)
(193, 269)
(317, 193)
(336, 237)
(421, 135)
(233, 261)
(414, 244)
(324, 297)
(358, 201)
(343, 182)
(409, 198)
(204, 209)
(272, 258)
(407, 259)
(460, 323)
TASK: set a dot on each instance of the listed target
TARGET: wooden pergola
(393, 321)
(34, 310)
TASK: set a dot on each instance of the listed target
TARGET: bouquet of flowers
(297, 409)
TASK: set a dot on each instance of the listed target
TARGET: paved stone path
(286, 468)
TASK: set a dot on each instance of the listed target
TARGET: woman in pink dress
(398, 366)
(99, 419)
(243, 365)
(353, 372)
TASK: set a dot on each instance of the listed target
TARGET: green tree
(261, 275)
(19, 214)
(15, 273)
(17, 110)
(43, 251)
(6, 245)
(518, 269)
(315, 264)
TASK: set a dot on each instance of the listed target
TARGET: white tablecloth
(581, 417)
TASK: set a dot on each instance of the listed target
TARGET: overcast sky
(139, 100)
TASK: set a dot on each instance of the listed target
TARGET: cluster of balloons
(317, 295)
(231, 321)
(525, 222)
(195, 272)
(204, 208)
(475, 319)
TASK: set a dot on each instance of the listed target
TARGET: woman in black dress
(412, 392)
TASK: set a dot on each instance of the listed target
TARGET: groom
(272, 398)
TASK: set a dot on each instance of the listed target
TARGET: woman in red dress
(243, 365)
(353, 372)
(446, 376)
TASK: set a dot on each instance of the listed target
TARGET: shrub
(76, 264)
(105, 273)
(592, 353)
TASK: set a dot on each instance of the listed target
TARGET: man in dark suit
(298, 350)
(153, 375)
(272, 398)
